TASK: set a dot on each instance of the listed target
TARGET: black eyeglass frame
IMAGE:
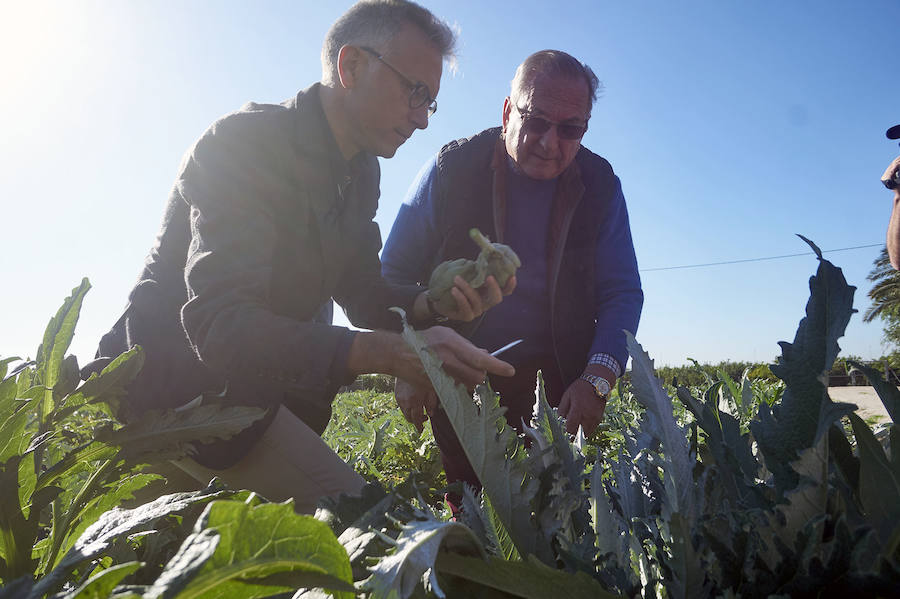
(417, 98)
(539, 125)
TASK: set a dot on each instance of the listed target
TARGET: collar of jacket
(314, 138)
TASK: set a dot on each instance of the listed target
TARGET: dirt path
(864, 397)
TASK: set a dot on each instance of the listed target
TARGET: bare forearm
(375, 352)
(893, 233)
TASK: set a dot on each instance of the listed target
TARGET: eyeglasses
(419, 94)
(539, 125)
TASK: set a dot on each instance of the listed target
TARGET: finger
(572, 421)
(510, 285)
(470, 294)
(464, 310)
(464, 373)
(490, 293)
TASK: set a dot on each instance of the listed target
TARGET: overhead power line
(856, 247)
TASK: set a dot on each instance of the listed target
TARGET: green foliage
(739, 487)
(370, 433)
(67, 465)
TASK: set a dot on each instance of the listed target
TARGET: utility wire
(856, 247)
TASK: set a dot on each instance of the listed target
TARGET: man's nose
(420, 117)
(550, 137)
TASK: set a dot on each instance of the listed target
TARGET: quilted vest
(472, 193)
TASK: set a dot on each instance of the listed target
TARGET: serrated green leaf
(109, 385)
(794, 425)
(260, 551)
(14, 439)
(116, 524)
(101, 585)
(493, 449)
(879, 485)
(4, 365)
(563, 501)
(660, 421)
(112, 496)
(166, 434)
(609, 527)
(58, 336)
(412, 563)
(19, 520)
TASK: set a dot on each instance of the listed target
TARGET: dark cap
(893, 132)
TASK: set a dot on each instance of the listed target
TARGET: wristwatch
(600, 384)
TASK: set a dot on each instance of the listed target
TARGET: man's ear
(507, 107)
(349, 65)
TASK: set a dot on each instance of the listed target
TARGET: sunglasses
(538, 126)
(419, 94)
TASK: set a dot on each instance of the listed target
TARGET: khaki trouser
(289, 461)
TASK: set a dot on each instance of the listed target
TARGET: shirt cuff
(608, 361)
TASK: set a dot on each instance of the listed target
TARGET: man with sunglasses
(532, 185)
(269, 219)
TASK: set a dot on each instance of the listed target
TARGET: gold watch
(600, 384)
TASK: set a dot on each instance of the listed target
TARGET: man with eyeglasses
(269, 219)
(530, 184)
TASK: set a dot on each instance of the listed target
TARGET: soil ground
(864, 397)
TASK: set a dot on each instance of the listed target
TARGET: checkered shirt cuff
(608, 361)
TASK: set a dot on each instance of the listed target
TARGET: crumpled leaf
(400, 573)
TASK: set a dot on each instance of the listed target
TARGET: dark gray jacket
(265, 224)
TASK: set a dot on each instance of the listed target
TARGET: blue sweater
(414, 241)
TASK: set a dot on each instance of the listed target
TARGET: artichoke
(494, 259)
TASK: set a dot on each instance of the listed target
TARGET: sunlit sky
(733, 126)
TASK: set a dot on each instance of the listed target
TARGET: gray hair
(553, 62)
(374, 22)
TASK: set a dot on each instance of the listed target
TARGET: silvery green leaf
(413, 561)
(803, 366)
(496, 454)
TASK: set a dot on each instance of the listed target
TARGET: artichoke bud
(441, 281)
(495, 258)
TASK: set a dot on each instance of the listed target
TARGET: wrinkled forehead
(557, 96)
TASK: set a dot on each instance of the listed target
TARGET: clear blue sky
(733, 125)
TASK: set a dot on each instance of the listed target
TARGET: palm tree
(885, 296)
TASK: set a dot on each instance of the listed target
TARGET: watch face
(601, 386)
